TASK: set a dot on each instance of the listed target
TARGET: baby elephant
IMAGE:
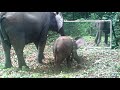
(65, 49)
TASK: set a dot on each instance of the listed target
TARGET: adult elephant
(102, 26)
(21, 28)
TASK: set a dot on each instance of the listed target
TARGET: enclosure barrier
(65, 21)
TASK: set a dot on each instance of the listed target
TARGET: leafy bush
(73, 29)
(77, 29)
(117, 33)
(52, 36)
(94, 16)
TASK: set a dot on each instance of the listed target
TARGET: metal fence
(69, 29)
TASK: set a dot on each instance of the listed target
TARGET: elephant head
(56, 22)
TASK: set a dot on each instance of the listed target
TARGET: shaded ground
(102, 63)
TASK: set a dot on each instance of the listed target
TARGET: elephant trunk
(61, 32)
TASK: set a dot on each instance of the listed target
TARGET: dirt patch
(103, 63)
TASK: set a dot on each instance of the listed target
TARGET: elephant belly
(33, 37)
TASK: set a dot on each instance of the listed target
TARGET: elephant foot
(40, 58)
(106, 45)
(58, 68)
(79, 66)
(94, 45)
(69, 66)
(41, 62)
(24, 68)
(97, 45)
(8, 66)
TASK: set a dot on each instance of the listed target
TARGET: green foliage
(68, 15)
(73, 29)
(52, 36)
(94, 16)
(116, 25)
(75, 15)
(88, 15)
(77, 29)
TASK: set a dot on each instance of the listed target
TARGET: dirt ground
(96, 63)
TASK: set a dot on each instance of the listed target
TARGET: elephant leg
(42, 43)
(99, 37)
(19, 44)
(57, 65)
(58, 60)
(36, 44)
(96, 39)
(106, 39)
(76, 57)
(40, 51)
(21, 61)
(69, 61)
(41, 47)
(7, 47)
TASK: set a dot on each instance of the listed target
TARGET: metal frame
(96, 21)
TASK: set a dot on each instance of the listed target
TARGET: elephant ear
(56, 13)
(59, 20)
(80, 42)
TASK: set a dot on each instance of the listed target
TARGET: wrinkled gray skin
(103, 26)
(21, 28)
(65, 48)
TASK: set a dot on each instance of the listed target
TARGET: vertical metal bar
(110, 34)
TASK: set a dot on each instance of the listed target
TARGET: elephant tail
(3, 33)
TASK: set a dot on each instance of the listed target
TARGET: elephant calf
(65, 49)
